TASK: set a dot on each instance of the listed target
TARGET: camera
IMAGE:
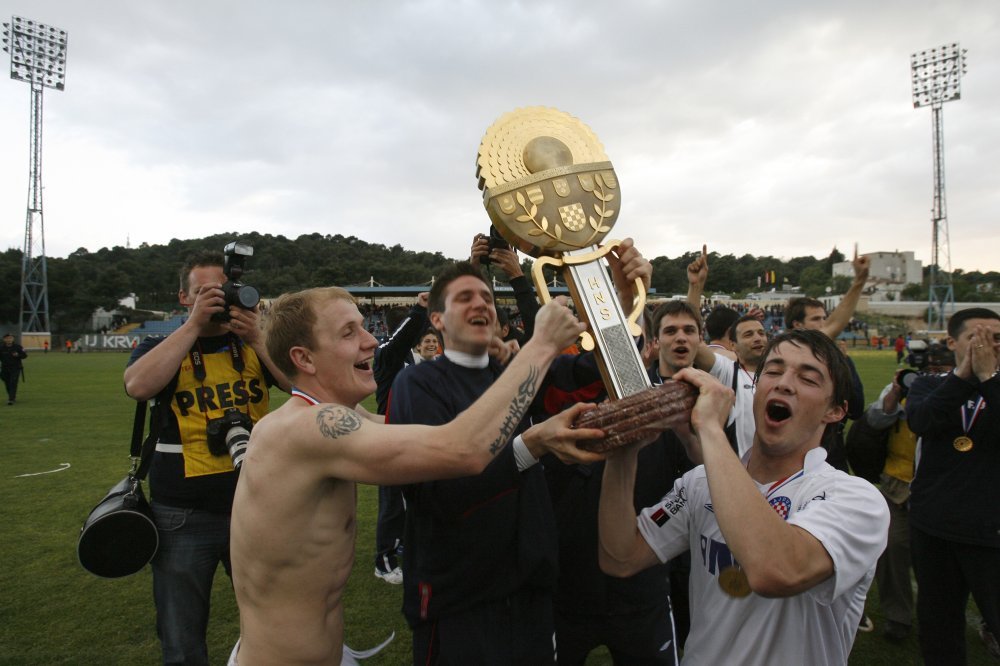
(229, 434)
(235, 292)
(925, 356)
(905, 378)
(930, 354)
(496, 242)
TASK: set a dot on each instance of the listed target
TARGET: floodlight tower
(937, 76)
(38, 57)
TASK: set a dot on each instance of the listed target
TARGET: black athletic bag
(119, 536)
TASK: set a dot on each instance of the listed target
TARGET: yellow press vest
(901, 451)
(195, 402)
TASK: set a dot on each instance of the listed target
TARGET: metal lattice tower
(937, 76)
(38, 57)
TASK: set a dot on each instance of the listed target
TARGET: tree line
(84, 280)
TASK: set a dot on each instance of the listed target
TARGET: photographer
(954, 522)
(892, 576)
(209, 374)
(493, 250)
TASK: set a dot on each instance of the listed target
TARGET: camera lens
(247, 297)
(237, 439)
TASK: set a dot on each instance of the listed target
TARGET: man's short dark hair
(197, 260)
(395, 316)
(430, 330)
(825, 350)
(795, 311)
(956, 325)
(719, 321)
(503, 317)
(674, 308)
(742, 320)
(647, 323)
(449, 275)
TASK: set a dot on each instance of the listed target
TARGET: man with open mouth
(294, 512)
(783, 545)
(481, 551)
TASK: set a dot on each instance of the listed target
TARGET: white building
(890, 272)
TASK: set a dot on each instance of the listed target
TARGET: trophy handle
(639, 296)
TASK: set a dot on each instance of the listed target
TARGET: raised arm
(246, 324)
(838, 320)
(622, 550)
(779, 559)
(704, 358)
(933, 401)
(524, 293)
(697, 273)
(886, 410)
(406, 336)
(401, 454)
(627, 266)
(155, 369)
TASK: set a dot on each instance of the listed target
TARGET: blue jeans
(192, 543)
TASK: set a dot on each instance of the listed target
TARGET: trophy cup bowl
(547, 185)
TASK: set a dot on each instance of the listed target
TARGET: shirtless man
(293, 524)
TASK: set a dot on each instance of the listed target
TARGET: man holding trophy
(784, 546)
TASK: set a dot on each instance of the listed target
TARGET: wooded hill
(85, 280)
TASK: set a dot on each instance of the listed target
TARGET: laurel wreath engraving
(555, 235)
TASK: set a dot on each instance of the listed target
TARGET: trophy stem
(610, 331)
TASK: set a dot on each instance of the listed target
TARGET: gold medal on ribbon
(962, 443)
(733, 581)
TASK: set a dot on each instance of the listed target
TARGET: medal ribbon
(781, 483)
(968, 420)
(299, 393)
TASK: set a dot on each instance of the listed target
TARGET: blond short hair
(290, 321)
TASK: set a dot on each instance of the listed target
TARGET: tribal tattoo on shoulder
(336, 421)
(518, 407)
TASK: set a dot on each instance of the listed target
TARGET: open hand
(558, 437)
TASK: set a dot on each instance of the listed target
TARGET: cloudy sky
(782, 127)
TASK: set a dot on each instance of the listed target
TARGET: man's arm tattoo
(336, 421)
(518, 406)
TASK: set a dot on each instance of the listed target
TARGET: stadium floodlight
(37, 57)
(937, 75)
(937, 78)
(37, 52)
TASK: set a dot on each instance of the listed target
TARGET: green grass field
(73, 410)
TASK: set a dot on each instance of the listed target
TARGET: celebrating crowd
(737, 537)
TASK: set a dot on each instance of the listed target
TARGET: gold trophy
(552, 193)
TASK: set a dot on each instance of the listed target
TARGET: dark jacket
(576, 490)
(955, 495)
(473, 539)
(481, 538)
(10, 356)
(396, 353)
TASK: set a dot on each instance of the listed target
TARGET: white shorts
(349, 659)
